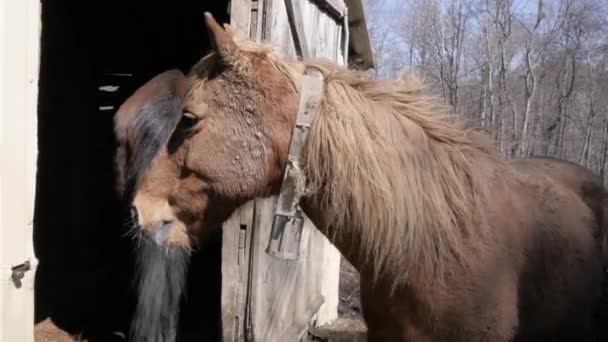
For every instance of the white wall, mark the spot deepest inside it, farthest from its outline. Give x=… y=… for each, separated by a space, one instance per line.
x=19 y=60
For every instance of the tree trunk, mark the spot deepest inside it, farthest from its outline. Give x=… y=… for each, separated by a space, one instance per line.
x=584 y=155
x=604 y=155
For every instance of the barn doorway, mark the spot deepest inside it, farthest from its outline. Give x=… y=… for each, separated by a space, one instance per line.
x=93 y=56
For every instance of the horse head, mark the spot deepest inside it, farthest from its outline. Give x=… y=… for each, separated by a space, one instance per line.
x=191 y=149
x=206 y=143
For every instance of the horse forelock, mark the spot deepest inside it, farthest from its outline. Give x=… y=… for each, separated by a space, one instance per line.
x=151 y=130
x=143 y=124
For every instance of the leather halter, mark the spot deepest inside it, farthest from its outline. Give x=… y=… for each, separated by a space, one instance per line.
x=288 y=221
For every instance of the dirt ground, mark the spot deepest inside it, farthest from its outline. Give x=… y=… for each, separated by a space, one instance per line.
x=350 y=305
x=349 y=326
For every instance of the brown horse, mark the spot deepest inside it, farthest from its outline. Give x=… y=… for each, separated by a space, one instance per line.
x=452 y=242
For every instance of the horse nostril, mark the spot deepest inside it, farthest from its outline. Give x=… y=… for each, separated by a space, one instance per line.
x=134 y=215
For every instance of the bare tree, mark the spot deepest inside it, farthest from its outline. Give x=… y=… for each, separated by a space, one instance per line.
x=604 y=149
x=536 y=76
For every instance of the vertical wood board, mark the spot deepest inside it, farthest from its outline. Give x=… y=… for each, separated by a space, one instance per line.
x=237 y=230
x=287 y=296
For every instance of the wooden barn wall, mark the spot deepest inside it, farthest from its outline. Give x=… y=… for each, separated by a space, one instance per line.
x=283 y=296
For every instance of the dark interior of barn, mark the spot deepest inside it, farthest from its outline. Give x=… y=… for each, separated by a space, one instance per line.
x=88 y=48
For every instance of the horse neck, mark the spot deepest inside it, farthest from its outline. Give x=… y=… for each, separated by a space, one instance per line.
x=350 y=243
x=349 y=246
x=391 y=179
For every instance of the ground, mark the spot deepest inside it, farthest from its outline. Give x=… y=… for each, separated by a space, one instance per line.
x=348 y=327
x=350 y=305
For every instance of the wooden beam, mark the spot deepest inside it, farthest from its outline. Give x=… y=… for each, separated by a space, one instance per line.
x=345 y=38
x=296 y=21
x=335 y=8
x=360 y=52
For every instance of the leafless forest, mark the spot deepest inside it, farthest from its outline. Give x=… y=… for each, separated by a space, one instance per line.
x=534 y=73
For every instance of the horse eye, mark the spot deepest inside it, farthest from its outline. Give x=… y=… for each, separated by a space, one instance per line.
x=188 y=120
x=190 y=116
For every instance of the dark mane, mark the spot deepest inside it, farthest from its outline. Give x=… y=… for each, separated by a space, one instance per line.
x=144 y=123
x=151 y=130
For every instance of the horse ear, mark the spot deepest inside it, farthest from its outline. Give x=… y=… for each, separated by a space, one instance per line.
x=144 y=122
x=222 y=41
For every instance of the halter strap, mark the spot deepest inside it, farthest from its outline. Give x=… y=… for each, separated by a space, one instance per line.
x=288 y=221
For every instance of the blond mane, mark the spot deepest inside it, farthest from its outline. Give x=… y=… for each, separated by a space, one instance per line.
x=394 y=167
x=391 y=165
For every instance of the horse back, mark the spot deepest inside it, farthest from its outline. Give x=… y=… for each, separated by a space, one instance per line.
x=581 y=181
x=566 y=177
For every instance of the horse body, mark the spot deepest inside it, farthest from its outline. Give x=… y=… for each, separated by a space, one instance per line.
x=452 y=242
x=538 y=278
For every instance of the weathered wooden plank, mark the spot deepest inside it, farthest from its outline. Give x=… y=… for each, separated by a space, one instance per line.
x=286 y=295
x=314 y=31
x=231 y=310
x=236 y=244
x=321 y=31
x=267 y=17
x=283 y=306
x=294 y=14
x=277 y=29
x=240 y=15
x=256 y=30
x=245 y=252
x=270 y=276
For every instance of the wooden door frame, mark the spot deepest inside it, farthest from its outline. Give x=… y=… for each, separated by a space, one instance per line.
x=20 y=27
